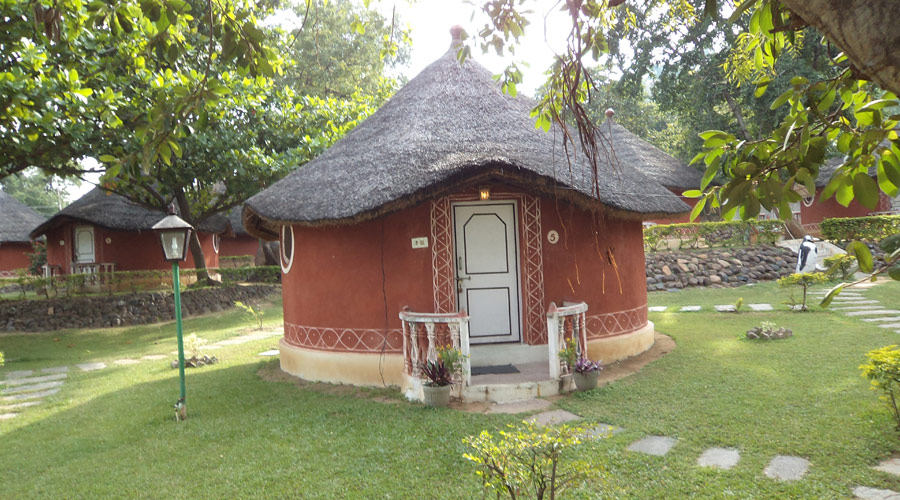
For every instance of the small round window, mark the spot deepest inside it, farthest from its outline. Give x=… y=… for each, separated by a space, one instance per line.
x=216 y=240
x=287 y=248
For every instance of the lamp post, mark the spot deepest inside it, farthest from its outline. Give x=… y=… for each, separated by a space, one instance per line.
x=175 y=235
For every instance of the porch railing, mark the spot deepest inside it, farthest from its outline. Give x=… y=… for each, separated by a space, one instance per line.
x=564 y=323
x=424 y=333
x=93 y=267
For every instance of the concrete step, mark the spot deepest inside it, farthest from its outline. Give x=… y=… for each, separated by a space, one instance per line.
x=508 y=393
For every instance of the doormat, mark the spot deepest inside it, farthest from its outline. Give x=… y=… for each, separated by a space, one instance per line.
x=494 y=370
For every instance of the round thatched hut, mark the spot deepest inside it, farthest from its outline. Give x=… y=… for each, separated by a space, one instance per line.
x=445 y=200
x=16 y=221
x=102 y=232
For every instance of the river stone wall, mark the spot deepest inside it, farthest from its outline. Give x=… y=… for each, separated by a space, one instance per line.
x=717 y=266
x=119 y=310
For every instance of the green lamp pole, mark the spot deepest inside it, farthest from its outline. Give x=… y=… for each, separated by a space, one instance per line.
x=175 y=236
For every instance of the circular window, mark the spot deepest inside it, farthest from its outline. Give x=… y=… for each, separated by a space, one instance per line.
x=808 y=201
x=287 y=248
x=216 y=240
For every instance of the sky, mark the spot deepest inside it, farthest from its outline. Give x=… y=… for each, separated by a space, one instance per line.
x=430 y=22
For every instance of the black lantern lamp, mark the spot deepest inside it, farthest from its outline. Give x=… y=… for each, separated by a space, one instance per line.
x=174 y=235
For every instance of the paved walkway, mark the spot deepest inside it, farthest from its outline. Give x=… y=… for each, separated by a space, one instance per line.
x=26 y=388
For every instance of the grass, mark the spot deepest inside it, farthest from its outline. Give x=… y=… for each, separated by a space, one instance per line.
x=111 y=433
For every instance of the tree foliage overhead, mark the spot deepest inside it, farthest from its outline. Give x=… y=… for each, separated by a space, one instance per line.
x=45 y=194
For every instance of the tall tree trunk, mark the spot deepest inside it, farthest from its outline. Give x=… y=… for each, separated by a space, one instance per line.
x=737 y=114
x=196 y=250
x=866 y=30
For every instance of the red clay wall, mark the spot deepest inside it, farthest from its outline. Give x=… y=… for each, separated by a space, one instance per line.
x=241 y=245
x=129 y=250
x=821 y=210
x=681 y=218
x=13 y=256
x=336 y=277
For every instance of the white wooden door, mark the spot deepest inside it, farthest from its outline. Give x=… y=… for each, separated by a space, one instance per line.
x=84 y=244
x=487 y=270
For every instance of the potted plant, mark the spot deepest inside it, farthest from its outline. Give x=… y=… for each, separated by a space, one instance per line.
x=439 y=375
x=567 y=355
x=586 y=374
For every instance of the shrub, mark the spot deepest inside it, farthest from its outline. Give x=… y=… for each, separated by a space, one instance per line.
x=569 y=354
x=803 y=281
x=37 y=258
x=715 y=234
x=871 y=228
x=840 y=266
x=883 y=370
x=258 y=274
x=530 y=461
x=253 y=313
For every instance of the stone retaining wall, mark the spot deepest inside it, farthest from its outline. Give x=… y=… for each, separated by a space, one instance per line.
x=119 y=310
x=717 y=266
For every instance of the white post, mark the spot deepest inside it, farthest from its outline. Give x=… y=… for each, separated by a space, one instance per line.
x=431 y=353
x=414 y=351
x=464 y=348
x=553 y=340
x=407 y=366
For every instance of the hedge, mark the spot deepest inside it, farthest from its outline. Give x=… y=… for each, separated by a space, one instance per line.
x=872 y=228
x=714 y=234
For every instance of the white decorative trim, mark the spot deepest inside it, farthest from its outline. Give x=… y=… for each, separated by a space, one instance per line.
x=216 y=240
x=344 y=339
x=286 y=268
x=616 y=323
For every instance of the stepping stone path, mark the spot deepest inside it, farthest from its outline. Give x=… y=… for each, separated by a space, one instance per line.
x=519 y=406
x=787 y=468
x=858 y=308
x=603 y=430
x=653 y=445
x=554 y=417
x=721 y=458
x=272 y=352
x=657 y=308
x=891 y=466
x=876 y=312
x=690 y=308
x=760 y=307
x=24 y=388
x=865 y=493
x=724 y=308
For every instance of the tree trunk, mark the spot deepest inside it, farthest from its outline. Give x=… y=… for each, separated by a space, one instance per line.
x=738 y=115
x=196 y=250
x=866 y=30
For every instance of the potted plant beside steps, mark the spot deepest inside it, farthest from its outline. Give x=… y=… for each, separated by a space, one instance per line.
x=586 y=374
x=439 y=375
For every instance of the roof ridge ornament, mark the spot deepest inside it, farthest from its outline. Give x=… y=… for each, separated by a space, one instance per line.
x=456 y=35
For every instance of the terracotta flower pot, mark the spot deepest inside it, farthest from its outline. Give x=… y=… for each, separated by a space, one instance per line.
x=587 y=380
x=437 y=396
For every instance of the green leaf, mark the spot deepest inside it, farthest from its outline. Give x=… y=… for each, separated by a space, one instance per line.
x=878 y=104
x=865 y=190
x=894 y=273
x=863 y=256
x=783 y=98
x=890 y=244
x=698 y=207
x=834 y=292
x=884 y=182
x=692 y=193
x=107 y=158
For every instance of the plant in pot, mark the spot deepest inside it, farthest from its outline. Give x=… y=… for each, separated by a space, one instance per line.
x=567 y=355
x=439 y=375
x=586 y=374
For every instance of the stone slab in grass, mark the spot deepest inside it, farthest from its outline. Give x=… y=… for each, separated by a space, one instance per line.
x=33 y=387
x=858 y=308
x=270 y=352
x=726 y=308
x=882 y=319
x=154 y=357
x=889 y=325
x=657 y=309
x=690 y=309
x=603 y=430
x=720 y=458
x=853 y=301
x=554 y=417
x=56 y=369
x=866 y=493
x=877 y=312
x=525 y=406
x=891 y=466
x=33 y=380
x=31 y=395
x=126 y=361
x=7 y=416
x=760 y=307
x=653 y=445
x=16 y=406
x=19 y=374
x=787 y=468
x=89 y=367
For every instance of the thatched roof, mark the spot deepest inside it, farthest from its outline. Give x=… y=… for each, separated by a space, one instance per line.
x=16 y=220
x=831 y=165
x=449 y=126
x=236 y=225
x=629 y=149
x=116 y=212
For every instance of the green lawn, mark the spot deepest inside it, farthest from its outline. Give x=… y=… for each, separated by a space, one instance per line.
x=110 y=433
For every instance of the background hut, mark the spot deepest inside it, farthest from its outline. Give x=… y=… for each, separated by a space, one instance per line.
x=103 y=232
x=16 y=221
x=237 y=242
x=448 y=199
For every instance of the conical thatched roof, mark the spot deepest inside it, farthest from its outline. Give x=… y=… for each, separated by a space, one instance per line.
x=629 y=149
x=235 y=223
x=450 y=125
x=16 y=220
x=116 y=212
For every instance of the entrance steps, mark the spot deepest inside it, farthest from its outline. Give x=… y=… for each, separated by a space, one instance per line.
x=531 y=381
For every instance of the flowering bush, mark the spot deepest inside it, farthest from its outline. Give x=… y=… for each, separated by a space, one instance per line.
x=584 y=365
x=883 y=369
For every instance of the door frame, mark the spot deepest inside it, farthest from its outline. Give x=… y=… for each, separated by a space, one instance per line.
x=93 y=232
x=517 y=252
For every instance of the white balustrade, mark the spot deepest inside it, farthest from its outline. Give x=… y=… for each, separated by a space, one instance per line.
x=455 y=334
x=565 y=322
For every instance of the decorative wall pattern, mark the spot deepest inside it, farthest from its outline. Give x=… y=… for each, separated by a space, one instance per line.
x=442 y=256
x=370 y=340
x=616 y=323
